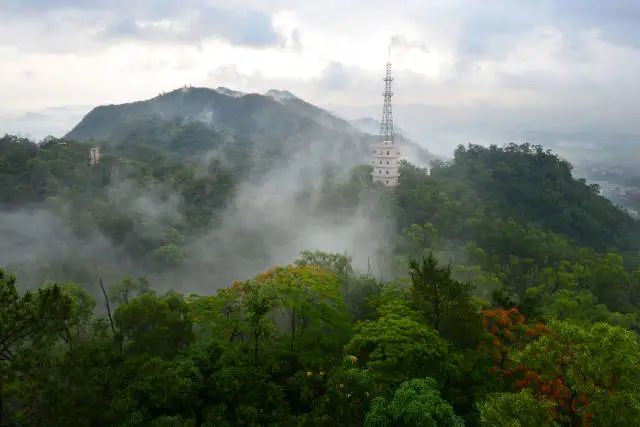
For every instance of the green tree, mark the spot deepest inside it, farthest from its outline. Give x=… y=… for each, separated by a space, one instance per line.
x=444 y=302
x=310 y=301
x=78 y=325
x=29 y=323
x=608 y=280
x=154 y=388
x=349 y=391
x=168 y=256
x=416 y=403
x=337 y=263
x=582 y=306
x=128 y=288
x=421 y=238
x=258 y=301
x=397 y=347
x=516 y=410
x=158 y=325
x=586 y=370
x=356 y=290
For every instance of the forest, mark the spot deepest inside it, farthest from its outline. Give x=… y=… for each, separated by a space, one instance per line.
x=508 y=295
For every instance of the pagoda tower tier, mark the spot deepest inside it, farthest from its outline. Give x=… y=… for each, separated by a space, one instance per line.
x=386 y=163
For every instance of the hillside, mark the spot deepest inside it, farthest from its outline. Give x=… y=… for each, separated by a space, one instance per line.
x=494 y=259
x=251 y=128
x=534 y=185
x=291 y=251
x=492 y=281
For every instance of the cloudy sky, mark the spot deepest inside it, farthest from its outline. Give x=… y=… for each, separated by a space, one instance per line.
x=482 y=71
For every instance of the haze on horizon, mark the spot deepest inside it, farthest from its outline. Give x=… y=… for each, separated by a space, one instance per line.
x=553 y=72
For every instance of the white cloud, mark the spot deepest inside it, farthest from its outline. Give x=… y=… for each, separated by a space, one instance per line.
x=459 y=56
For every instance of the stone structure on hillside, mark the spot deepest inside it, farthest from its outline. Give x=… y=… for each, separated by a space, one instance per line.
x=94 y=156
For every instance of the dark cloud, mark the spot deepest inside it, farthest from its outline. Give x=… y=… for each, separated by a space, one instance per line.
x=492 y=28
x=163 y=20
x=616 y=20
x=245 y=27
x=33 y=6
x=250 y=27
x=150 y=8
x=487 y=27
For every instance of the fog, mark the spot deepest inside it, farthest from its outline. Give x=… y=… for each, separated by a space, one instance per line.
x=40 y=244
x=273 y=218
x=582 y=134
x=269 y=220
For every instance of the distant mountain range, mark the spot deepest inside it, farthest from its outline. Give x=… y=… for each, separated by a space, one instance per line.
x=372 y=126
x=261 y=127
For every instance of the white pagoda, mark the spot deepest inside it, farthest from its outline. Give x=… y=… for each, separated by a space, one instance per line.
x=386 y=154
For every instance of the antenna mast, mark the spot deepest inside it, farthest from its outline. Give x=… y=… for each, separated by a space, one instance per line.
x=386 y=125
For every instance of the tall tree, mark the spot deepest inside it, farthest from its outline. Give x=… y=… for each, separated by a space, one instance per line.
x=444 y=302
x=398 y=347
x=158 y=325
x=416 y=403
x=28 y=321
x=590 y=373
x=521 y=409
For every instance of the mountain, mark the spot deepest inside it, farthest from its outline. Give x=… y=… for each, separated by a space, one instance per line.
x=366 y=124
x=261 y=128
x=372 y=126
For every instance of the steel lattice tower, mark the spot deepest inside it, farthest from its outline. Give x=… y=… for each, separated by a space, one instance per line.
x=386 y=154
x=386 y=126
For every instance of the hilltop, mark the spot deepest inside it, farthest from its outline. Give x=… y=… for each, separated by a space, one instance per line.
x=257 y=128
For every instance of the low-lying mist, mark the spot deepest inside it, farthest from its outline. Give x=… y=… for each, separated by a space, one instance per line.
x=268 y=221
x=274 y=217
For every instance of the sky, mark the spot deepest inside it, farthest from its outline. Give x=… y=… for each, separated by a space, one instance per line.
x=559 y=72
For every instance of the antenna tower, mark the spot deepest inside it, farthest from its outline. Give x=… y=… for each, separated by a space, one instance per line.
x=386 y=154
x=386 y=125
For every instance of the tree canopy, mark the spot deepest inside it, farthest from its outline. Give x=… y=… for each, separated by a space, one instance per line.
x=509 y=294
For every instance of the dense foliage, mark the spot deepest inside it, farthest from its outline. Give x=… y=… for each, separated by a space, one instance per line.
x=513 y=299
x=146 y=200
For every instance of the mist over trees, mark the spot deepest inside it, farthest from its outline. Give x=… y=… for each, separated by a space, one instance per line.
x=229 y=262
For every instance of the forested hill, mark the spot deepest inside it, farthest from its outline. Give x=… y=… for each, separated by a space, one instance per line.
x=249 y=126
x=491 y=290
x=535 y=186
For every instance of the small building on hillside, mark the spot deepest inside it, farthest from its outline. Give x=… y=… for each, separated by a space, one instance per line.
x=94 y=156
